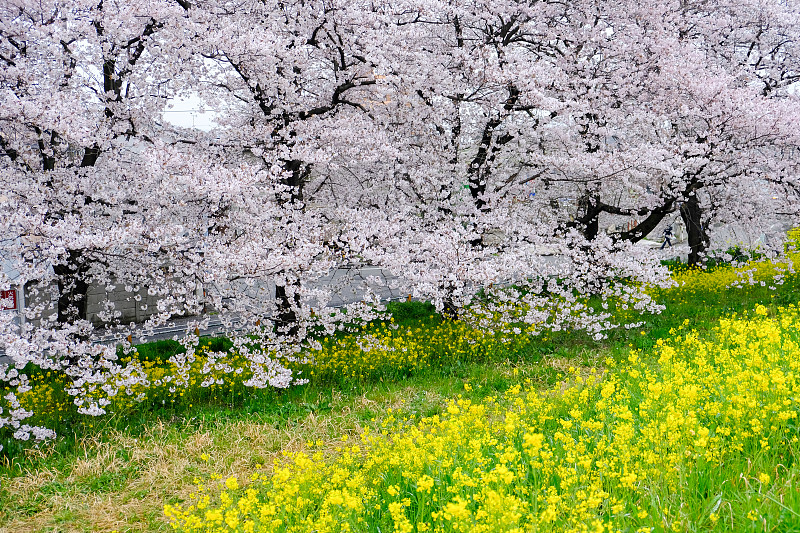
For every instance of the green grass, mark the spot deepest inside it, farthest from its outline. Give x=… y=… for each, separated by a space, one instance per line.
x=677 y=419
x=134 y=462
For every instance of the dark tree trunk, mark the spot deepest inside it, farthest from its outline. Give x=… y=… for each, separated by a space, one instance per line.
x=650 y=223
x=286 y=319
x=298 y=173
x=476 y=171
x=73 y=288
x=592 y=228
x=479 y=171
x=588 y=220
x=450 y=311
x=286 y=322
x=691 y=213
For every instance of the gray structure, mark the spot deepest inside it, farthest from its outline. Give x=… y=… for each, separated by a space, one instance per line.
x=133 y=306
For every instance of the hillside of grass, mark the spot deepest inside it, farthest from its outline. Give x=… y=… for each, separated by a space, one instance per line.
x=666 y=439
x=118 y=471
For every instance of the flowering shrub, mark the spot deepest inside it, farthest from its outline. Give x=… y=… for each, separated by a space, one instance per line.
x=701 y=434
x=181 y=379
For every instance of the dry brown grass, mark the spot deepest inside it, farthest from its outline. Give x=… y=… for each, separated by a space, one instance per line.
x=122 y=483
x=153 y=469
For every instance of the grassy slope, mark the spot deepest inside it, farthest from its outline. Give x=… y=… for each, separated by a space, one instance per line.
x=119 y=473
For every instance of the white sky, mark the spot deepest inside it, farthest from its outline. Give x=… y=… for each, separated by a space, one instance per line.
x=189 y=112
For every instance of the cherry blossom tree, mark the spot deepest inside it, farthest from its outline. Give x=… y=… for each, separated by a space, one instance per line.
x=296 y=78
x=466 y=105
x=97 y=193
x=678 y=114
x=75 y=90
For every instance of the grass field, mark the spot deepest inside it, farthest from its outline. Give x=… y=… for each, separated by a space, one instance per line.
x=119 y=471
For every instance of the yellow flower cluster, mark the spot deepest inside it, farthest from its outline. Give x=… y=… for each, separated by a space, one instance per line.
x=661 y=443
x=382 y=350
x=792 y=247
x=760 y=272
x=713 y=281
x=398 y=350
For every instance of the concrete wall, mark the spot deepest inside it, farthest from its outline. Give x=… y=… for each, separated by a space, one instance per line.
x=134 y=306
